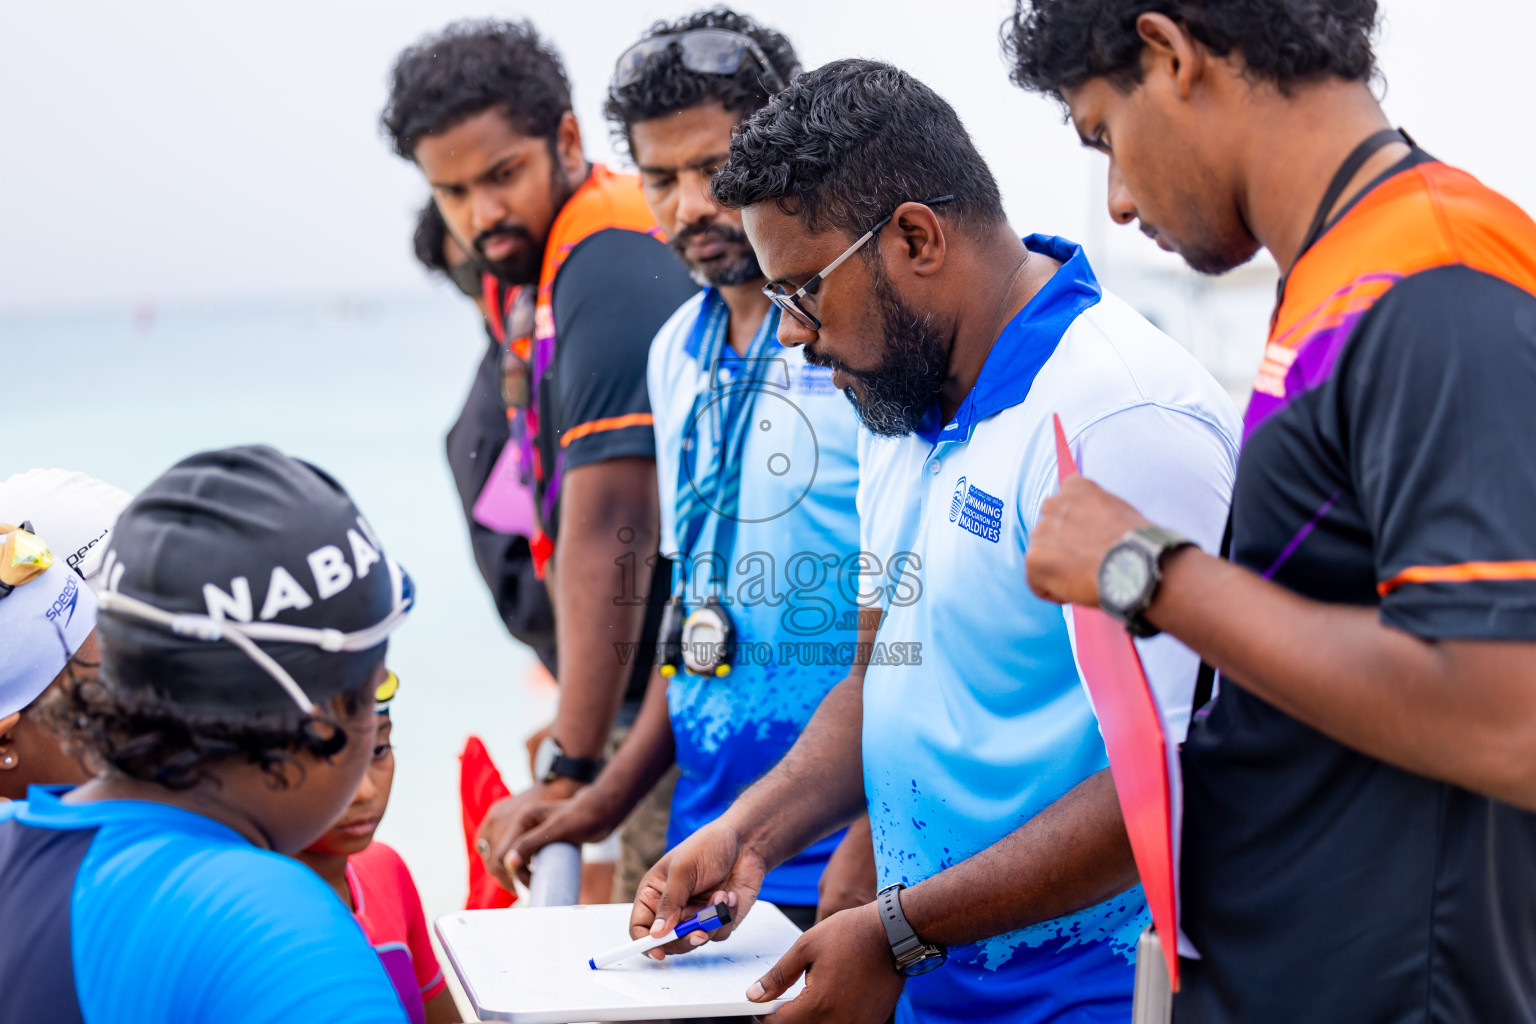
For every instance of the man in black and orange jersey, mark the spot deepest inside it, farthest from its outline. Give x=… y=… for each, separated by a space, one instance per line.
x=579 y=282
x=1359 y=836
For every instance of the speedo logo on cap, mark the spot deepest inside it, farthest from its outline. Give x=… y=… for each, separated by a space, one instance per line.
x=327 y=569
x=76 y=559
x=65 y=603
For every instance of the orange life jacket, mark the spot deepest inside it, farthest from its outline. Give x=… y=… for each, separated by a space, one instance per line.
x=605 y=201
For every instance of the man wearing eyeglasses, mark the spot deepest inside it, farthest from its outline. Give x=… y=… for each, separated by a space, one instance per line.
x=1008 y=887
x=579 y=284
x=757 y=463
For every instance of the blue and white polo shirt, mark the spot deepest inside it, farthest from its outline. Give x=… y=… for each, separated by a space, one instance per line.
x=995 y=725
x=790 y=578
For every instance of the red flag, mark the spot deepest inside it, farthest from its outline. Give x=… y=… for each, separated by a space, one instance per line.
x=480 y=785
x=1138 y=748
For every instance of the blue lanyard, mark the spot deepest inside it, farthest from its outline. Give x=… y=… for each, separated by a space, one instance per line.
x=727 y=410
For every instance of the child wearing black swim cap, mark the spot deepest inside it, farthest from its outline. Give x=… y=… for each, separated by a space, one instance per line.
x=243 y=626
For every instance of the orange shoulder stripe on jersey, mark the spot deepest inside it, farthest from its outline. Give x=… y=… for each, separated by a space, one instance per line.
x=1355 y=297
x=1428 y=216
x=605 y=200
x=634 y=419
x=1467 y=572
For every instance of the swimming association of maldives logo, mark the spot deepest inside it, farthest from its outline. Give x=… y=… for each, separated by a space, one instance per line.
x=958 y=501
x=976 y=511
x=812 y=380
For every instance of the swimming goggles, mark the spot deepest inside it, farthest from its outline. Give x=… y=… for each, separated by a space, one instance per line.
x=386 y=691
x=245 y=635
x=708 y=51
x=23 y=557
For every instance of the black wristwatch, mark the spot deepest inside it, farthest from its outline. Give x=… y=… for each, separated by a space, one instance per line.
x=1130 y=574
x=551 y=763
x=913 y=955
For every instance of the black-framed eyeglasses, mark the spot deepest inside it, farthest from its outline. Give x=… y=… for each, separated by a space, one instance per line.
x=789 y=302
x=708 y=51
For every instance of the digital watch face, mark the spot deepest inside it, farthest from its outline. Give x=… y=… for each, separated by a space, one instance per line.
x=1123 y=578
x=707 y=635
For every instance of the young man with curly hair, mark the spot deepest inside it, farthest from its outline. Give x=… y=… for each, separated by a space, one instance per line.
x=676 y=97
x=578 y=284
x=1359 y=830
x=1009 y=890
x=243 y=627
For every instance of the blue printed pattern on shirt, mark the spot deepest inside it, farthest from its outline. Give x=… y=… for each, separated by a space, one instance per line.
x=787 y=581
x=993 y=726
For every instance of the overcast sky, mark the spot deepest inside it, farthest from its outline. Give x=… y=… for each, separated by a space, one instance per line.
x=166 y=150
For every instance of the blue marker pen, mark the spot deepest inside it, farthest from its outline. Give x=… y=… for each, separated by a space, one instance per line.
x=707 y=920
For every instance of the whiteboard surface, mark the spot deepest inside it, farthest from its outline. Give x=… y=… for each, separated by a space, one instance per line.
x=529 y=966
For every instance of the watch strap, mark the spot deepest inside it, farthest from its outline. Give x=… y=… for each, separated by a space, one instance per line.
x=563 y=766
x=911 y=954
x=1160 y=540
x=581 y=769
x=898 y=932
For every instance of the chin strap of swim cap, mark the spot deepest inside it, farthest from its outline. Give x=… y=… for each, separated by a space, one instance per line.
x=245 y=635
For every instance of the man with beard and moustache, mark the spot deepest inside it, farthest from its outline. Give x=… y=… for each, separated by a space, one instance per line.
x=777 y=492
x=1359 y=830
x=997 y=829
x=578 y=283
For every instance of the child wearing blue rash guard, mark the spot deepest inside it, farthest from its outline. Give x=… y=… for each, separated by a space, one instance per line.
x=243 y=628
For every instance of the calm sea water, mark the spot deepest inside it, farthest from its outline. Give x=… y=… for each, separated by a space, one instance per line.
x=364 y=389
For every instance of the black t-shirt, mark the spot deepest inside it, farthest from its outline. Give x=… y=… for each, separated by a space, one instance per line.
x=505 y=562
x=611 y=296
x=614 y=292
x=1320 y=884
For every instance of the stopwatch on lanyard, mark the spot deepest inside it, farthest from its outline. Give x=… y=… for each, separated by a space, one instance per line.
x=703 y=641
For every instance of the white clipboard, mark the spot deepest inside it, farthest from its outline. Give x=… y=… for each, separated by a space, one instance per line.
x=529 y=966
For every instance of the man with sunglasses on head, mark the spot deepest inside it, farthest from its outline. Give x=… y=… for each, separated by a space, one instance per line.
x=579 y=284
x=1009 y=891
x=757 y=462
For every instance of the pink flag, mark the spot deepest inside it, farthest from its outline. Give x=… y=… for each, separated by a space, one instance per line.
x=1139 y=752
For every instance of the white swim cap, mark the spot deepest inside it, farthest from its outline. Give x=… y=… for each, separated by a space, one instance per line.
x=72 y=513
x=43 y=622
